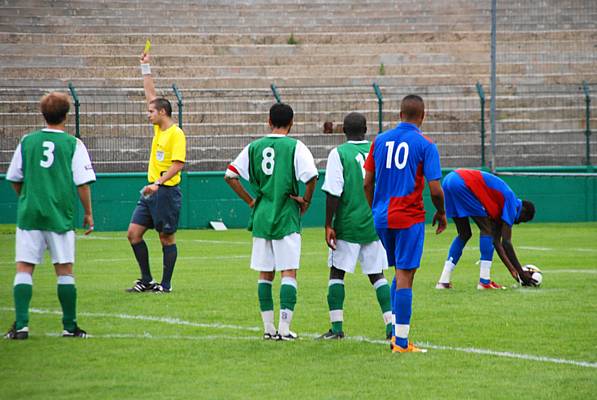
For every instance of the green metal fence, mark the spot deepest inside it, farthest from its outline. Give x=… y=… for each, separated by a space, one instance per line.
x=535 y=126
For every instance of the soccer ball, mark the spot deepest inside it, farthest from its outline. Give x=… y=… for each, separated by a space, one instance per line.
x=535 y=273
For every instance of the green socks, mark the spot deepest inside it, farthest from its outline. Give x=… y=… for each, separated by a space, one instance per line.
x=382 y=290
x=264 y=292
x=266 y=305
x=336 y=303
x=67 y=294
x=22 y=292
x=288 y=290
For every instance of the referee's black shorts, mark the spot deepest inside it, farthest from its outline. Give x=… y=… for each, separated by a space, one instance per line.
x=160 y=210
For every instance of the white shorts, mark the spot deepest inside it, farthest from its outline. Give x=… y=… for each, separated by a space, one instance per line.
x=372 y=257
x=276 y=255
x=30 y=246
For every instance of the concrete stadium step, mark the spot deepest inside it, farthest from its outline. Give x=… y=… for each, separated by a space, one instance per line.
x=536 y=49
x=280 y=38
x=308 y=81
x=249 y=52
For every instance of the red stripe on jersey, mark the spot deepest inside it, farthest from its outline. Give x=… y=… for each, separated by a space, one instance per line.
x=491 y=199
x=427 y=138
x=405 y=211
x=370 y=162
x=233 y=169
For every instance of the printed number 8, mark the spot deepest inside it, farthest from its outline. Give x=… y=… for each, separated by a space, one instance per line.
x=267 y=165
x=48 y=153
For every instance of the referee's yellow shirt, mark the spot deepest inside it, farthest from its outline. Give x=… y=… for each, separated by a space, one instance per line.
x=166 y=146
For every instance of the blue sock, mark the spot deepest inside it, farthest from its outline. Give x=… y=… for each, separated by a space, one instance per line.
x=403 y=310
x=486 y=247
x=456 y=250
x=392 y=300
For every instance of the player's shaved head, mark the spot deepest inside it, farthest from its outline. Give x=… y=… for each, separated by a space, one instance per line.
x=412 y=109
x=355 y=126
x=54 y=107
x=281 y=115
x=527 y=213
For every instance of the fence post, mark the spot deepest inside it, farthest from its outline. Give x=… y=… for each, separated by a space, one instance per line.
x=73 y=93
x=481 y=94
x=179 y=102
x=377 y=91
x=275 y=92
x=585 y=88
x=493 y=83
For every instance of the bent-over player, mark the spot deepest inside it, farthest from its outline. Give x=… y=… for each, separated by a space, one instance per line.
x=489 y=201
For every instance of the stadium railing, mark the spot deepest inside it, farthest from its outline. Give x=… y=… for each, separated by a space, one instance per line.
x=536 y=126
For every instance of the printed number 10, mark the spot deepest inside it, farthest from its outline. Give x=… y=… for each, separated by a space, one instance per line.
x=391 y=156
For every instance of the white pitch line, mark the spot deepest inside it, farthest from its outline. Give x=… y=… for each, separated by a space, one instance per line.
x=223 y=257
x=509 y=354
x=570 y=271
x=123 y=239
x=166 y=320
x=176 y=321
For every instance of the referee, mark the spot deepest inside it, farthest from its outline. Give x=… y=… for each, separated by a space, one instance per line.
x=159 y=205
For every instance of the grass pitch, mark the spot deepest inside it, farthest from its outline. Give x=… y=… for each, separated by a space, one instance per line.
x=203 y=340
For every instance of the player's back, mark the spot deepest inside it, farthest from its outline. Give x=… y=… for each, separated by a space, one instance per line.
x=494 y=194
x=403 y=157
x=48 y=193
x=272 y=176
x=354 y=221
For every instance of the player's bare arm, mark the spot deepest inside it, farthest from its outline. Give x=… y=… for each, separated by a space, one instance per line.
x=17 y=186
x=502 y=241
x=174 y=169
x=437 y=197
x=239 y=189
x=331 y=206
x=523 y=276
x=148 y=84
x=369 y=186
x=304 y=201
x=85 y=197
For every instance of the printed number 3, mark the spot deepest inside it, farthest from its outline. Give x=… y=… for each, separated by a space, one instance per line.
x=48 y=153
x=267 y=165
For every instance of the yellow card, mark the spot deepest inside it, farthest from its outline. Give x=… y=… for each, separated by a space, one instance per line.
x=147 y=47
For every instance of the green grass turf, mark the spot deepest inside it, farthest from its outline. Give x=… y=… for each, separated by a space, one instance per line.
x=166 y=358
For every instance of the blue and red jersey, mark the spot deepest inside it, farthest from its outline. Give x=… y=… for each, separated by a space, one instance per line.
x=401 y=159
x=472 y=193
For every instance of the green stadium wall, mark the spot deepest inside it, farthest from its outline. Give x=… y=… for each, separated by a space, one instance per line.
x=206 y=197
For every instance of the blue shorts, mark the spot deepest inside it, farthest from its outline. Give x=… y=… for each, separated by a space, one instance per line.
x=460 y=201
x=160 y=210
x=404 y=247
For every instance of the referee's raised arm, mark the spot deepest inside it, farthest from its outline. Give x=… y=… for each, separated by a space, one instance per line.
x=148 y=84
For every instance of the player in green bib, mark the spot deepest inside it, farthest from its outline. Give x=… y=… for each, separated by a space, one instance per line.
x=48 y=169
x=273 y=165
x=349 y=230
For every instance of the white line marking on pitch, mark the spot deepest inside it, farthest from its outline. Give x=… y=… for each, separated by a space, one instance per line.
x=176 y=321
x=570 y=271
x=123 y=238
